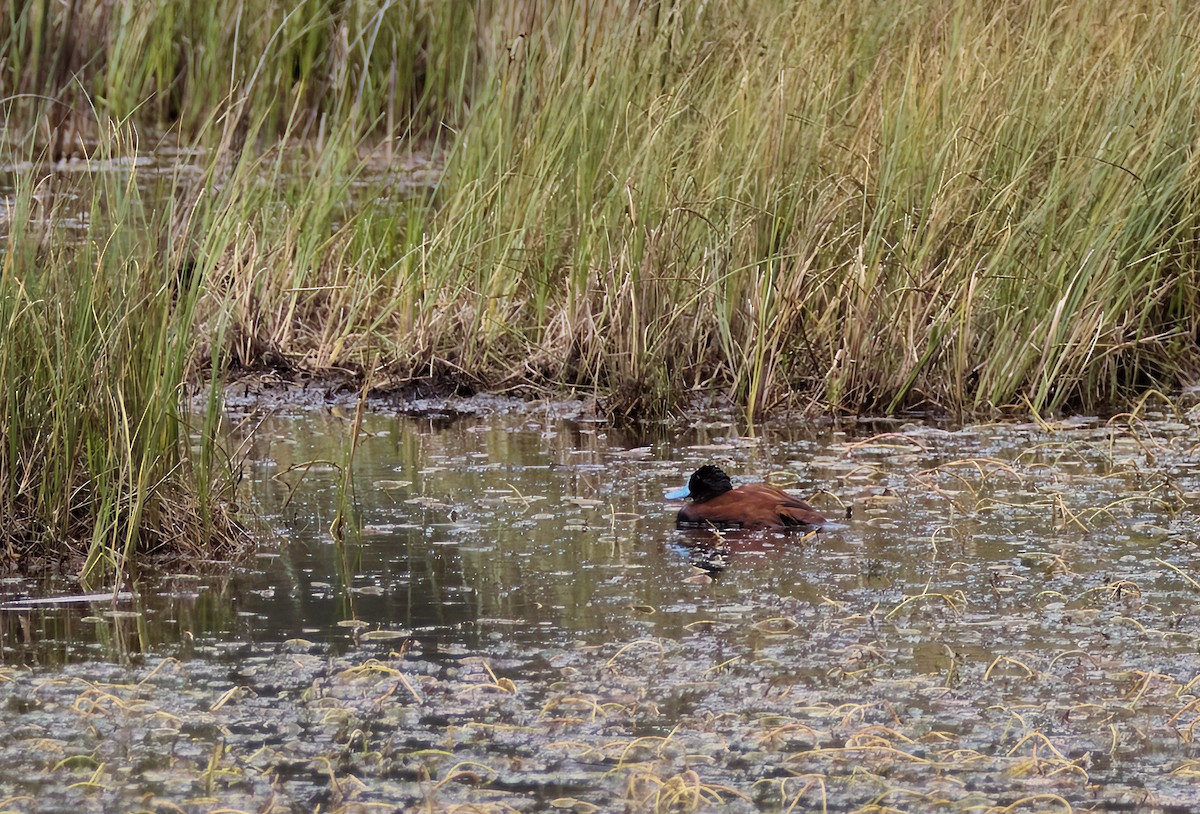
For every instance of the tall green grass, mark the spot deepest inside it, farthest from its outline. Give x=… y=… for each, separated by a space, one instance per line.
x=99 y=462
x=954 y=206
x=293 y=68
x=846 y=206
x=947 y=205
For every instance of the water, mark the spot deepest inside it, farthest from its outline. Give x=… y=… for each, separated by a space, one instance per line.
x=512 y=620
x=515 y=526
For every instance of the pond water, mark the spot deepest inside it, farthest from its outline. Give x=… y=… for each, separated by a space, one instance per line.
x=511 y=621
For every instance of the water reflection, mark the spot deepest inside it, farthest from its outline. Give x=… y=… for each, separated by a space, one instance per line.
x=540 y=529
x=1007 y=620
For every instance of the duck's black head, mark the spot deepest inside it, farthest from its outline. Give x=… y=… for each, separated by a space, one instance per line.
x=707 y=482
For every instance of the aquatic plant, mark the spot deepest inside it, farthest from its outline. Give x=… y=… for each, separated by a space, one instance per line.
x=802 y=206
x=98 y=459
x=292 y=67
x=853 y=208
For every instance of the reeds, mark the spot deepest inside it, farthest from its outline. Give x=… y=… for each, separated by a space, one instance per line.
x=861 y=211
x=949 y=207
x=98 y=462
x=952 y=206
x=811 y=205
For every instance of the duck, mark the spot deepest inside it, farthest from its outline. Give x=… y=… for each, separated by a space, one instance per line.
x=754 y=506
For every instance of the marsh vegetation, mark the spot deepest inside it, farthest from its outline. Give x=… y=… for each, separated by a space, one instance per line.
x=655 y=209
x=953 y=206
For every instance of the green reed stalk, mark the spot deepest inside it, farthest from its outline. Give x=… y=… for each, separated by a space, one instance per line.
x=98 y=319
x=784 y=205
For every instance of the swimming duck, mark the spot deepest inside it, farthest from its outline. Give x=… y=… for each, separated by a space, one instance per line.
x=754 y=506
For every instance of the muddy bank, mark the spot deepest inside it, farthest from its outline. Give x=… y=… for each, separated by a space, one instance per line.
x=293 y=391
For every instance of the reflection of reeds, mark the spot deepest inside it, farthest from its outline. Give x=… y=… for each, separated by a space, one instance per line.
x=346 y=486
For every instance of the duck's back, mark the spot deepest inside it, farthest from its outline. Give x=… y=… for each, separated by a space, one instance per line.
x=753 y=506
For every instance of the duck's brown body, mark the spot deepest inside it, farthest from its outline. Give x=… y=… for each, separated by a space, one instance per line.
x=755 y=506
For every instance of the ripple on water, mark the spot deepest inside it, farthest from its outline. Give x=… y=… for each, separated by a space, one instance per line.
x=513 y=621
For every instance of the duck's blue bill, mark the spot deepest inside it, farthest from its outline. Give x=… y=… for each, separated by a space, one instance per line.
x=678 y=494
